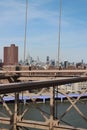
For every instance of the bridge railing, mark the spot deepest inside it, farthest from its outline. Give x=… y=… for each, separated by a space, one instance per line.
x=24 y=113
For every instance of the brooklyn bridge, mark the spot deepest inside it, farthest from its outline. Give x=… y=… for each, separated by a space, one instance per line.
x=22 y=88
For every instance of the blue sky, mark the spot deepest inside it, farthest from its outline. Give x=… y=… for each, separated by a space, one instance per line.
x=42 y=28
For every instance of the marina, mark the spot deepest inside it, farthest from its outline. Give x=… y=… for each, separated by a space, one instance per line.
x=43 y=98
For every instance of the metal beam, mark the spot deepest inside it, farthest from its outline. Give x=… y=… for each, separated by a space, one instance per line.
x=35 y=124
x=45 y=71
x=23 y=86
x=44 y=126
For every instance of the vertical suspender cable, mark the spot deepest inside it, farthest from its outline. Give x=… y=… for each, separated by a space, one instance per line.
x=60 y=11
x=25 y=30
x=25 y=39
x=56 y=94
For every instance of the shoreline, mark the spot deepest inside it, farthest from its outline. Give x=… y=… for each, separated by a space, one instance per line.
x=43 y=98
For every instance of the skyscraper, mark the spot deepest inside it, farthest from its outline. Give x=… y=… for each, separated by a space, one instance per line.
x=11 y=55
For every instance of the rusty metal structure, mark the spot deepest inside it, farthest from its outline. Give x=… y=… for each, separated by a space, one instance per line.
x=15 y=119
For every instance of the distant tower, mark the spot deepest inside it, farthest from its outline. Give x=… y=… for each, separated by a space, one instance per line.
x=66 y=64
x=82 y=61
x=47 y=60
x=11 y=55
x=53 y=62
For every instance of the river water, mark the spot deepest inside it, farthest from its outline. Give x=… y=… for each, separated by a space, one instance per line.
x=71 y=118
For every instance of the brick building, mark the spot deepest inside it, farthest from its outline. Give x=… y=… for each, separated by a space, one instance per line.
x=11 y=55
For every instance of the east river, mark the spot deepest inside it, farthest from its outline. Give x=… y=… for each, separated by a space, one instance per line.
x=71 y=118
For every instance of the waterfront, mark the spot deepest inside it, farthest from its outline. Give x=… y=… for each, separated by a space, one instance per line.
x=72 y=117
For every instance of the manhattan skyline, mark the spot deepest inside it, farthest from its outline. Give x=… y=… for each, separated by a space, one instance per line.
x=42 y=28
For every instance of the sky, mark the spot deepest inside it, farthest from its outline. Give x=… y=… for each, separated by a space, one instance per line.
x=43 y=28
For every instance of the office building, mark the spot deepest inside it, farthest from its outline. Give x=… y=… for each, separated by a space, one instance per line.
x=11 y=55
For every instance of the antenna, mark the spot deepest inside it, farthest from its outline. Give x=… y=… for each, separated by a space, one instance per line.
x=25 y=30
x=59 y=32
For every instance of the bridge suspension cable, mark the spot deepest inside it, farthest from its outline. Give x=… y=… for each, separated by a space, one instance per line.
x=25 y=29
x=60 y=12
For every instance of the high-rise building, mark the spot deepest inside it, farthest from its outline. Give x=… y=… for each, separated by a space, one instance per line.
x=47 y=60
x=66 y=64
x=11 y=55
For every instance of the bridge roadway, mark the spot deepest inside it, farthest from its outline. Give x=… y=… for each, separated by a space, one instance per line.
x=16 y=121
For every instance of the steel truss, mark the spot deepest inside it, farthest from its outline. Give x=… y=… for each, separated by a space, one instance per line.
x=16 y=120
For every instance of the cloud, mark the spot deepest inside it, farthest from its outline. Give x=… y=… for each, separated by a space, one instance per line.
x=11 y=12
x=14 y=12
